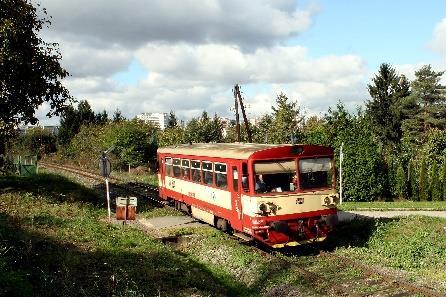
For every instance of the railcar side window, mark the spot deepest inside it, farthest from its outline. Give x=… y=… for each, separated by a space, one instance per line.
x=196 y=171
x=315 y=173
x=235 y=178
x=176 y=168
x=221 y=178
x=208 y=174
x=185 y=168
x=245 y=178
x=168 y=166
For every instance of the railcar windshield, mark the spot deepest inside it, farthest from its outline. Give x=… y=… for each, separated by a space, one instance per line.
x=274 y=176
x=315 y=173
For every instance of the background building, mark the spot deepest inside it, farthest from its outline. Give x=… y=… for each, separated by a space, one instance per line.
x=159 y=119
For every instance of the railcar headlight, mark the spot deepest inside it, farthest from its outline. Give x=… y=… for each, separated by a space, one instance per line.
x=263 y=207
x=327 y=201
x=330 y=200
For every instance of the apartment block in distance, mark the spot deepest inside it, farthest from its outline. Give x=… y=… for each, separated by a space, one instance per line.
x=159 y=119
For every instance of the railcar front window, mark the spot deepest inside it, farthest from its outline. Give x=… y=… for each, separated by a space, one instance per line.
x=274 y=176
x=315 y=173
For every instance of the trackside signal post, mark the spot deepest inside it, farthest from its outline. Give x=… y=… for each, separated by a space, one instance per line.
x=105 y=169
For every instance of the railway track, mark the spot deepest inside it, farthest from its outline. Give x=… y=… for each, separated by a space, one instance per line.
x=372 y=281
x=145 y=191
x=378 y=282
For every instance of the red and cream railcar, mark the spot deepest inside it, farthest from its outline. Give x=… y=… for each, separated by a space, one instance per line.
x=278 y=194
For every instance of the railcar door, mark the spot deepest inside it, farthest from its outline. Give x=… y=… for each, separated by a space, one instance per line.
x=237 y=213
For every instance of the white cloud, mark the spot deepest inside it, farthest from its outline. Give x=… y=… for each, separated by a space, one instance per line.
x=134 y=22
x=192 y=78
x=438 y=42
x=194 y=52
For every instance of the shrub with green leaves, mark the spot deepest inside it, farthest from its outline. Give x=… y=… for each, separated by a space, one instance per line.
x=401 y=182
x=413 y=181
x=423 y=181
x=434 y=183
x=36 y=141
x=443 y=179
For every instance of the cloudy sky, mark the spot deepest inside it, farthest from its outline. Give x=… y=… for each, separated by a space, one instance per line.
x=186 y=55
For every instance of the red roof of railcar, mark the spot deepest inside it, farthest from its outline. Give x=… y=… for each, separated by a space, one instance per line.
x=244 y=151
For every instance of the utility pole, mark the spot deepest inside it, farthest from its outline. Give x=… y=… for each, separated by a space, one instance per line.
x=237 y=118
x=341 y=158
x=245 y=119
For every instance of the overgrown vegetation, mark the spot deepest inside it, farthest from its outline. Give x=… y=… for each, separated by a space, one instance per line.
x=416 y=245
x=55 y=241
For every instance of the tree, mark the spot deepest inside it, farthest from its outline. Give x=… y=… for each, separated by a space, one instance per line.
x=286 y=120
x=101 y=118
x=35 y=141
x=431 y=97
x=117 y=116
x=72 y=119
x=443 y=179
x=170 y=136
x=363 y=179
x=203 y=129
x=172 y=120
x=338 y=122
x=30 y=71
x=215 y=129
x=423 y=181
x=315 y=131
x=69 y=125
x=134 y=142
x=434 y=183
x=191 y=133
x=386 y=90
x=413 y=181
x=262 y=127
x=401 y=182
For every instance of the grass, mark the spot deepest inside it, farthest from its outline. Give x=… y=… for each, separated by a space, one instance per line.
x=415 y=246
x=57 y=244
x=388 y=205
x=144 y=178
x=54 y=241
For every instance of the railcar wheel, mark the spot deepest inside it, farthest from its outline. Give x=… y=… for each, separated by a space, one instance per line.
x=222 y=224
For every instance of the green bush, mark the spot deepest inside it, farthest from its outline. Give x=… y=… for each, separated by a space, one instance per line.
x=423 y=181
x=134 y=144
x=443 y=179
x=35 y=141
x=362 y=168
x=434 y=183
x=401 y=182
x=413 y=181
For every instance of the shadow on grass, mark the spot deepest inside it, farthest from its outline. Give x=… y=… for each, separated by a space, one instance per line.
x=56 y=187
x=61 y=189
x=354 y=233
x=39 y=265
